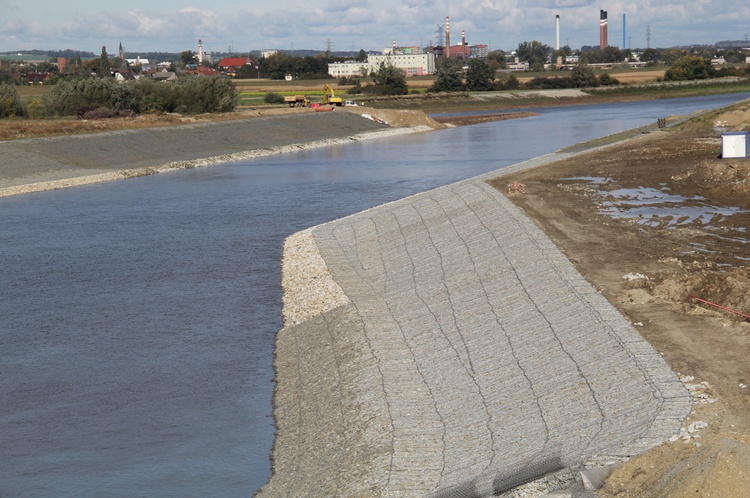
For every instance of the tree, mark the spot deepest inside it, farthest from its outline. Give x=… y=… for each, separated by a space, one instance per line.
x=10 y=102
x=535 y=53
x=650 y=55
x=496 y=59
x=362 y=56
x=583 y=76
x=480 y=77
x=448 y=76
x=104 y=66
x=389 y=80
x=689 y=67
x=187 y=57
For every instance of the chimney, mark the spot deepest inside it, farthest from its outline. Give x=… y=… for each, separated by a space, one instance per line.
x=447 y=36
x=393 y=50
x=463 y=37
x=557 y=32
x=603 y=42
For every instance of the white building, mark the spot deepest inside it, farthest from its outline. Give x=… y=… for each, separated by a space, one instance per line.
x=410 y=64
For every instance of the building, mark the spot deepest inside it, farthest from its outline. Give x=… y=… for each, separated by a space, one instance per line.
x=603 y=37
x=411 y=64
x=231 y=64
x=348 y=69
x=479 y=51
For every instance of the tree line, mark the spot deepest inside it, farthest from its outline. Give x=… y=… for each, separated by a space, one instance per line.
x=106 y=97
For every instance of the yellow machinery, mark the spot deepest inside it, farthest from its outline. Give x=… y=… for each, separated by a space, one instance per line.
x=330 y=98
x=296 y=100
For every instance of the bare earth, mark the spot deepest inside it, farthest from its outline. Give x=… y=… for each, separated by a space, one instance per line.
x=689 y=238
x=651 y=222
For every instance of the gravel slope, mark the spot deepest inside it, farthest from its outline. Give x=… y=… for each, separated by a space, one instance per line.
x=48 y=163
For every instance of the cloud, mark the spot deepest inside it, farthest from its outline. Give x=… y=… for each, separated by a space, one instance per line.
x=367 y=24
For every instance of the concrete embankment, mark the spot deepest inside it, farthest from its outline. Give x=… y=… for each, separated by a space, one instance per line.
x=443 y=345
x=39 y=164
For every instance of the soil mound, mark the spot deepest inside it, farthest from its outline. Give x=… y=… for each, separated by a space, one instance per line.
x=716 y=467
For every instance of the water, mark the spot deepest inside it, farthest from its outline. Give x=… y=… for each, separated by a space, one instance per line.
x=138 y=317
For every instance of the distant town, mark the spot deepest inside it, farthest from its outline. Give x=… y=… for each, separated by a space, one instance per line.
x=39 y=67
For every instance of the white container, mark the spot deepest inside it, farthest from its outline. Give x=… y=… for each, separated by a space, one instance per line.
x=734 y=144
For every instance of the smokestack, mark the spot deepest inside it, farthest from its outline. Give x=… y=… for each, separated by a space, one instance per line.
x=557 y=32
x=624 y=45
x=603 y=42
x=447 y=36
x=393 y=50
x=463 y=37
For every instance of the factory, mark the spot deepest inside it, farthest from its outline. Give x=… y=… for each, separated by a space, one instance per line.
x=414 y=61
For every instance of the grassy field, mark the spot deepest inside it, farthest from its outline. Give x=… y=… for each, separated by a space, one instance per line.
x=252 y=92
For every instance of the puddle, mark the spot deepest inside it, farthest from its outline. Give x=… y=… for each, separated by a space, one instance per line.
x=658 y=208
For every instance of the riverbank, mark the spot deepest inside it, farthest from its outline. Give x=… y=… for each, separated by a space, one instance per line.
x=423 y=355
x=39 y=164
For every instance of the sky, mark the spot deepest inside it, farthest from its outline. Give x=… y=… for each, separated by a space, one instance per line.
x=343 y=25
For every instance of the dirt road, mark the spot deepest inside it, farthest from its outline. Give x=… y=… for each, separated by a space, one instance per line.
x=652 y=222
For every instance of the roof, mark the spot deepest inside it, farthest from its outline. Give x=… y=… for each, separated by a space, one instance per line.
x=235 y=61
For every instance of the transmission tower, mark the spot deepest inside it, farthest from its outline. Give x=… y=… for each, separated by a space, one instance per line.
x=329 y=47
x=439 y=34
x=648 y=36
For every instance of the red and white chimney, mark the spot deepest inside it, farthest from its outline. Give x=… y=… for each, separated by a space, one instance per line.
x=447 y=36
x=603 y=38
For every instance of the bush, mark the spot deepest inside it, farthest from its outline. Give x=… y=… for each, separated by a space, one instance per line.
x=509 y=83
x=607 y=80
x=273 y=98
x=199 y=94
x=189 y=95
x=550 y=83
x=689 y=67
x=583 y=76
x=70 y=97
x=10 y=102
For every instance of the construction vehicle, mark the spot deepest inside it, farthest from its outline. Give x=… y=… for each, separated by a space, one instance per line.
x=330 y=98
x=296 y=100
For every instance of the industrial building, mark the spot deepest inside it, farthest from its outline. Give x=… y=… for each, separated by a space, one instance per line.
x=414 y=61
x=413 y=64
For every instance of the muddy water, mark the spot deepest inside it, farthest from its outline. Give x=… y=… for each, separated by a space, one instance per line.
x=138 y=317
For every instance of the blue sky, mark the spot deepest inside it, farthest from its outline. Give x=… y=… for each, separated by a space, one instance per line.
x=176 y=25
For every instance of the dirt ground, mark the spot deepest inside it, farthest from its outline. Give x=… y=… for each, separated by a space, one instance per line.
x=654 y=222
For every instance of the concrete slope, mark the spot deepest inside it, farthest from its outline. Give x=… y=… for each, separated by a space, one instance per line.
x=472 y=356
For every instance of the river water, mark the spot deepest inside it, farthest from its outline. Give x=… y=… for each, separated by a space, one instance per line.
x=137 y=318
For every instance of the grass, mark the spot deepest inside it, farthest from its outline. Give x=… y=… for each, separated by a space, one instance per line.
x=252 y=93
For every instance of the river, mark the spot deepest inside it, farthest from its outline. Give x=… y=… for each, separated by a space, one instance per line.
x=138 y=317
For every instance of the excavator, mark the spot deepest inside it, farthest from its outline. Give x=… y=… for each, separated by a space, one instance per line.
x=330 y=98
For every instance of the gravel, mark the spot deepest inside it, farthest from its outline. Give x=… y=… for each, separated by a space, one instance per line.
x=454 y=350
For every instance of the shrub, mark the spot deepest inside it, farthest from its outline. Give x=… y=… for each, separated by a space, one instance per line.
x=71 y=96
x=198 y=94
x=273 y=98
x=689 y=67
x=189 y=95
x=10 y=102
x=607 y=80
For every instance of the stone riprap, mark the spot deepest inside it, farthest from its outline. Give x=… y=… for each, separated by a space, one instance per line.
x=38 y=164
x=469 y=357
